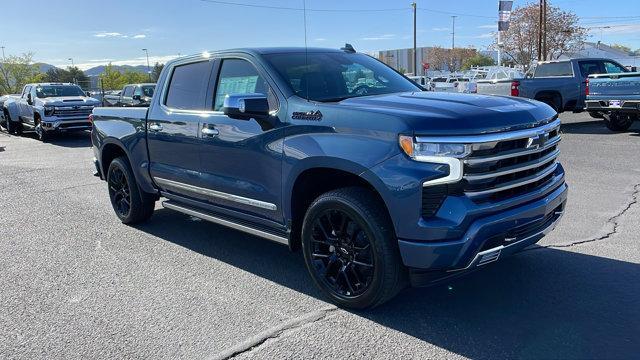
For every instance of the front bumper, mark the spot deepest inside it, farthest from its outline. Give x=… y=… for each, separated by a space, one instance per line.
x=66 y=124
x=489 y=238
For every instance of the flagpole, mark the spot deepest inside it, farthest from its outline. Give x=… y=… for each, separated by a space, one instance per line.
x=499 y=58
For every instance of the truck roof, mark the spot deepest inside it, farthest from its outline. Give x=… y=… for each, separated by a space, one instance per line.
x=49 y=84
x=262 y=51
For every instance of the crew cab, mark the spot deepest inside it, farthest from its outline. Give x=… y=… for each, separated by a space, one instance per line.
x=138 y=95
x=616 y=98
x=379 y=183
x=561 y=84
x=47 y=108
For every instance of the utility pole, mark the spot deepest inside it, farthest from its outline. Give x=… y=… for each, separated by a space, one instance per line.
x=544 y=30
x=540 y=31
x=415 y=54
x=3 y=58
x=148 y=67
x=453 y=32
x=72 y=64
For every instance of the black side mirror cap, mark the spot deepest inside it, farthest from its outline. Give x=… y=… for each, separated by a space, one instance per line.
x=137 y=97
x=246 y=106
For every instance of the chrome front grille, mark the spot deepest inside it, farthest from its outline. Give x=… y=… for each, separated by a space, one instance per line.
x=73 y=111
x=512 y=163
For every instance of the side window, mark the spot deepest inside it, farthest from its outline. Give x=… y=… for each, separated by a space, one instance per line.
x=554 y=69
x=128 y=91
x=187 y=86
x=240 y=77
x=137 y=91
x=25 y=91
x=590 y=67
x=613 y=68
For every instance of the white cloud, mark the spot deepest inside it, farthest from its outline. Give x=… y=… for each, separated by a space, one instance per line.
x=380 y=37
x=140 y=36
x=320 y=39
x=108 y=34
x=134 y=62
x=484 y=36
x=441 y=29
x=488 y=26
x=616 y=29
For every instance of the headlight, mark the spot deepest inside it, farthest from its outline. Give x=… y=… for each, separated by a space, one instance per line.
x=48 y=110
x=437 y=153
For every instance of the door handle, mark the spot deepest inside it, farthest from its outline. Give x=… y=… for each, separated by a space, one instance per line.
x=207 y=131
x=155 y=127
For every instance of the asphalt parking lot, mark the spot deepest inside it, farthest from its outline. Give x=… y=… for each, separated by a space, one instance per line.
x=76 y=283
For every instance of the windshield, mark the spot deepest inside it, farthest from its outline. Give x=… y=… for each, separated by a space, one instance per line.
x=328 y=77
x=58 y=90
x=148 y=90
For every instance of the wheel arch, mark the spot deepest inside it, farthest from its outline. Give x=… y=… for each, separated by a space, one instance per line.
x=550 y=94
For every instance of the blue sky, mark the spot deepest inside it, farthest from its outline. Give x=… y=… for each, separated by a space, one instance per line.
x=96 y=32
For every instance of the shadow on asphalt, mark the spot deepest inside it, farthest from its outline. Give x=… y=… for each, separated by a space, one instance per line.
x=595 y=127
x=544 y=303
x=74 y=139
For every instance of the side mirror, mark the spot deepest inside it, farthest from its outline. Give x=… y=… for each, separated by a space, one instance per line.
x=88 y=93
x=137 y=97
x=246 y=106
x=29 y=99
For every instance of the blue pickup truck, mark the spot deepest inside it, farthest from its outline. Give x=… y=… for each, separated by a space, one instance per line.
x=380 y=184
x=615 y=98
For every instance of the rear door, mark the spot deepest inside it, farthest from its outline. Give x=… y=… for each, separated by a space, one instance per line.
x=126 y=98
x=240 y=159
x=173 y=128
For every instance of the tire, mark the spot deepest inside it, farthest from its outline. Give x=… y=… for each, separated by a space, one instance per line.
x=10 y=125
x=618 y=122
x=130 y=204
x=357 y=264
x=551 y=101
x=596 y=115
x=42 y=134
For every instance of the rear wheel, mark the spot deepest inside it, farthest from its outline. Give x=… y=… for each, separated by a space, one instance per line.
x=554 y=102
x=9 y=125
x=595 y=114
x=350 y=249
x=130 y=204
x=618 y=122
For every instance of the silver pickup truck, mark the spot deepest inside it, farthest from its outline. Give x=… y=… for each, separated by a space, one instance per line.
x=614 y=97
x=47 y=108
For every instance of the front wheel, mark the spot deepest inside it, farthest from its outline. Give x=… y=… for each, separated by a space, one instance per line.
x=350 y=249
x=618 y=122
x=130 y=204
x=43 y=135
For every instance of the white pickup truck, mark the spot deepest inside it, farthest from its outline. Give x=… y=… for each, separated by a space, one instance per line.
x=47 y=108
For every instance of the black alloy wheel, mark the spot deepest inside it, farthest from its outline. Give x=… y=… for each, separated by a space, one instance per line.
x=342 y=253
x=119 y=192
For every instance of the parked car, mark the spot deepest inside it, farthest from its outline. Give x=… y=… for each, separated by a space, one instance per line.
x=47 y=108
x=3 y=111
x=560 y=84
x=614 y=97
x=111 y=97
x=379 y=184
x=132 y=95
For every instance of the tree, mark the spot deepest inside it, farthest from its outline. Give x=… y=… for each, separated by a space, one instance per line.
x=477 y=60
x=112 y=78
x=623 y=48
x=449 y=59
x=132 y=77
x=155 y=72
x=78 y=76
x=564 y=35
x=15 y=72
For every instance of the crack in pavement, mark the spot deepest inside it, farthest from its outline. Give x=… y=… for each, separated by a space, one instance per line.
x=612 y=223
x=273 y=333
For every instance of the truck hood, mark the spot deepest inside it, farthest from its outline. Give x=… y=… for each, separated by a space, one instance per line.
x=437 y=113
x=69 y=101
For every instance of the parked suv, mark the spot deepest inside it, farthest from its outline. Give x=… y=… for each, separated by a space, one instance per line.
x=131 y=95
x=379 y=183
x=47 y=108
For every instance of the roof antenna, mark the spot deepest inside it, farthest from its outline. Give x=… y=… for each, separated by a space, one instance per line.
x=348 y=48
x=306 y=51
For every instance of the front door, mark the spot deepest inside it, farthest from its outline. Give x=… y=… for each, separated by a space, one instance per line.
x=241 y=160
x=173 y=128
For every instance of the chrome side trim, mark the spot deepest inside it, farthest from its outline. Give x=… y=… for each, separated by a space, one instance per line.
x=485 y=138
x=516 y=183
x=517 y=168
x=499 y=249
x=227 y=223
x=479 y=160
x=214 y=194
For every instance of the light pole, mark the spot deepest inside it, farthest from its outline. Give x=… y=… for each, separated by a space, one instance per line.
x=453 y=32
x=146 y=51
x=72 y=64
x=415 y=54
x=3 y=58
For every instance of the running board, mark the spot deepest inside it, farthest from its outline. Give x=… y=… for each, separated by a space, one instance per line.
x=227 y=223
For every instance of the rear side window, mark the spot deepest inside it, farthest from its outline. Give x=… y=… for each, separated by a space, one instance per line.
x=590 y=67
x=613 y=68
x=128 y=91
x=554 y=69
x=187 y=86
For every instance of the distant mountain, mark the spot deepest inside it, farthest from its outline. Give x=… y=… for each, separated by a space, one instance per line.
x=96 y=71
x=43 y=67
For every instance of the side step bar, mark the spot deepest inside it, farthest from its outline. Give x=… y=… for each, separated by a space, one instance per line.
x=220 y=221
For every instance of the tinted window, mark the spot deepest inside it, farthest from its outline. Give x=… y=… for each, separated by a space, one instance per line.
x=613 y=68
x=187 y=86
x=239 y=77
x=58 y=90
x=148 y=90
x=128 y=91
x=554 y=69
x=337 y=76
x=590 y=67
x=25 y=91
